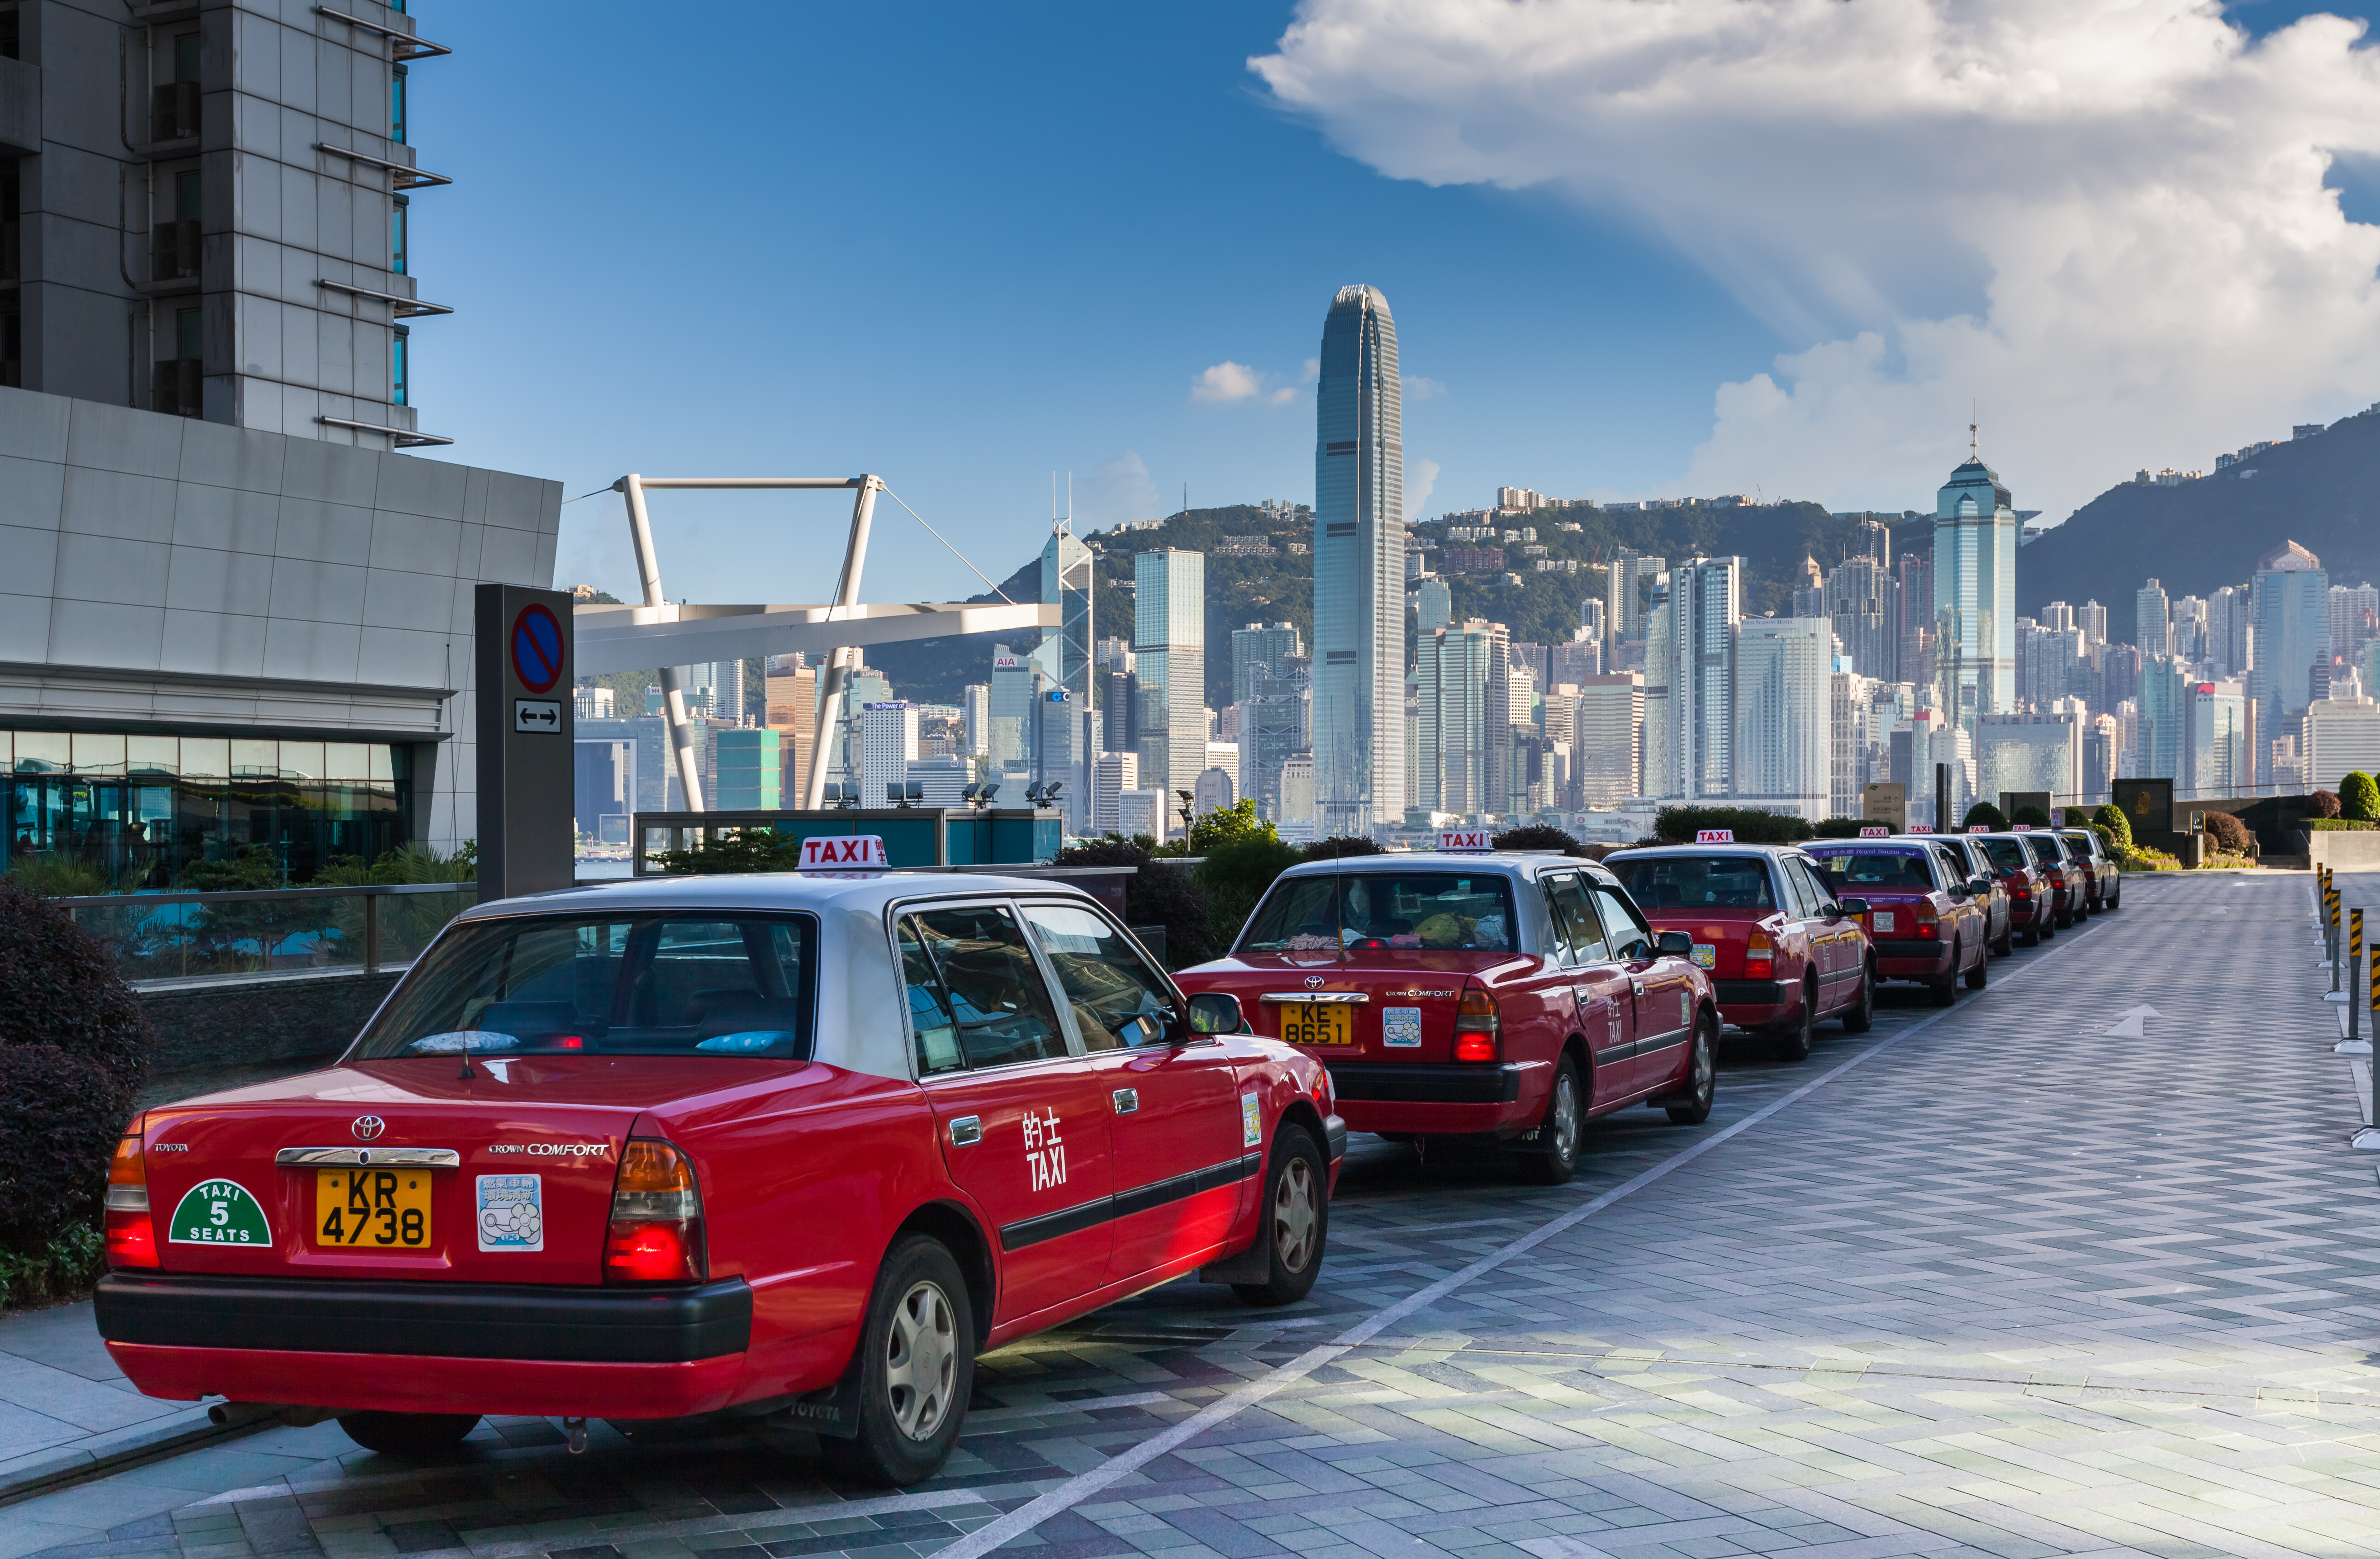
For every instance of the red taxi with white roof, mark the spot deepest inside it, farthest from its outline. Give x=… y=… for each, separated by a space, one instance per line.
x=1505 y=998
x=799 y=1147
x=2032 y=906
x=1922 y=918
x=1785 y=951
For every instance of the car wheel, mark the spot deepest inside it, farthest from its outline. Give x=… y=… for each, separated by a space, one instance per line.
x=2028 y=938
x=408 y=1435
x=1552 y=1156
x=2116 y=900
x=1860 y=1018
x=1296 y=1219
x=1945 y=990
x=1981 y=973
x=1792 y=1044
x=1702 y=1075
x=2046 y=929
x=917 y=1368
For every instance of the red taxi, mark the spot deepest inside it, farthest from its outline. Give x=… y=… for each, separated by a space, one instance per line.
x=800 y=1148
x=2030 y=893
x=1923 y=920
x=1783 y=949
x=2069 y=879
x=2090 y=852
x=1506 y=997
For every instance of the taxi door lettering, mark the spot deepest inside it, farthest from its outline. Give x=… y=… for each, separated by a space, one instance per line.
x=1045 y=1151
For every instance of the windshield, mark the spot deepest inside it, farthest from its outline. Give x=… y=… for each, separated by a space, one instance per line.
x=2085 y=845
x=1658 y=883
x=2005 y=852
x=2046 y=847
x=1854 y=870
x=1442 y=910
x=694 y=982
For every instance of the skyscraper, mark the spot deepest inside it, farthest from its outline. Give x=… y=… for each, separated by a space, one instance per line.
x=1169 y=644
x=1359 y=557
x=1690 y=678
x=2289 y=608
x=1270 y=683
x=1070 y=729
x=1974 y=593
x=1783 y=759
x=1464 y=697
x=2152 y=619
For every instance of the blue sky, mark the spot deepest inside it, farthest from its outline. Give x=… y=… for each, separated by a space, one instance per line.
x=962 y=246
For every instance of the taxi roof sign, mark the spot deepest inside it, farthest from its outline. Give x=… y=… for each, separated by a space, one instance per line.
x=1979 y=828
x=1876 y=831
x=1462 y=840
x=849 y=852
x=1714 y=837
x=2020 y=828
x=1920 y=828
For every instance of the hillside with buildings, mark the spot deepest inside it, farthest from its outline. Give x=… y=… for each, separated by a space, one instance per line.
x=2197 y=531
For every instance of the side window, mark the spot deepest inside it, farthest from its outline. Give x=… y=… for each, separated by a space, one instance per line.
x=1807 y=874
x=1629 y=936
x=976 y=997
x=1117 y=999
x=1797 y=891
x=1581 y=929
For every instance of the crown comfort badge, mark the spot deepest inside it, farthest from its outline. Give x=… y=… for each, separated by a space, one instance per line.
x=219 y=1213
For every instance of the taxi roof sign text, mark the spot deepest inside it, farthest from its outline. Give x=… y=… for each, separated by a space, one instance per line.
x=1714 y=837
x=853 y=852
x=1920 y=828
x=1876 y=831
x=1458 y=839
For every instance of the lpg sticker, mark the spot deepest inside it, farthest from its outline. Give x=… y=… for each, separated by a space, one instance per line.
x=512 y=1212
x=1251 y=1121
x=1400 y=1028
x=1045 y=1151
x=219 y=1213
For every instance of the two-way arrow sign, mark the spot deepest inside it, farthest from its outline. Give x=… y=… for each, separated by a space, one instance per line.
x=2128 y=1024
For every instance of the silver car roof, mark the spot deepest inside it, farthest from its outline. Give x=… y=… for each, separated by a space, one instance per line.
x=1522 y=865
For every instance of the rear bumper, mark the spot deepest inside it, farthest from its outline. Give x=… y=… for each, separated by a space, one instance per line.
x=1913 y=960
x=1420 y=1097
x=1752 y=1004
x=418 y=1383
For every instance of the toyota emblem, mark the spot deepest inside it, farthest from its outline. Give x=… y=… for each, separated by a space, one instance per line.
x=369 y=1127
x=1314 y=982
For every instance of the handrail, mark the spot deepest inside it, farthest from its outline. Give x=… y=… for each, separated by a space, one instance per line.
x=422 y=48
x=405 y=308
x=407 y=176
x=120 y=901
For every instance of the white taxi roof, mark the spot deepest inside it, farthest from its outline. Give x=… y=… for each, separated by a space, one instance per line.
x=1524 y=865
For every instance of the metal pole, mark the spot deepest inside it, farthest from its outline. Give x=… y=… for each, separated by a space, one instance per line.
x=838 y=671
x=648 y=575
x=2354 y=962
x=371 y=933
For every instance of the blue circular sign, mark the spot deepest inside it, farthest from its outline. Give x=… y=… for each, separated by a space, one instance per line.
x=537 y=648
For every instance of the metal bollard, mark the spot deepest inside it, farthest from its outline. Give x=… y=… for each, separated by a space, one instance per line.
x=2354 y=962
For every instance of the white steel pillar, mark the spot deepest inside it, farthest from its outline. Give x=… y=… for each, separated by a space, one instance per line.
x=838 y=671
x=649 y=574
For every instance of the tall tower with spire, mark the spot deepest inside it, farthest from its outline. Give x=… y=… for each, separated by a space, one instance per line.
x=1974 y=592
x=1359 y=566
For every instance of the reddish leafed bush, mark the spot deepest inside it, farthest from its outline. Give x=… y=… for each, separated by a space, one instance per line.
x=2231 y=836
x=2321 y=804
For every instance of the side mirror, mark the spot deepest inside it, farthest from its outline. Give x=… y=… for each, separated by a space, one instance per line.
x=1853 y=906
x=1674 y=945
x=1981 y=885
x=1215 y=1011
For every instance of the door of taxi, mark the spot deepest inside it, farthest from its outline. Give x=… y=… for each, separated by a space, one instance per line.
x=1831 y=957
x=1185 y=1147
x=1606 y=996
x=1022 y=1120
x=1664 y=988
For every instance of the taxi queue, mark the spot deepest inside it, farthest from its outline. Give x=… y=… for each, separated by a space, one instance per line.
x=794 y=1149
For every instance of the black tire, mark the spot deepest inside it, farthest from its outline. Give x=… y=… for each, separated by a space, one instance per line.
x=1701 y=1074
x=1945 y=991
x=2029 y=938
x=1980 y=973
x=1861 y=1017
x=1295 y=1221
x=1552 y=1157
x=2046 y=930
x=1792 y=1043
x=917 y=1368
x=2116 y=899
x=408 y=1435
x=2007 y=943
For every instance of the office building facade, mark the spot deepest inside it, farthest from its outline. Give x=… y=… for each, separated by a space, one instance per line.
x=1170 y=656
x=1690 y=678
x=1782 y=750
x=2290 y=613
x=1606 y=724
x=1359 y=559
x=1974 y=594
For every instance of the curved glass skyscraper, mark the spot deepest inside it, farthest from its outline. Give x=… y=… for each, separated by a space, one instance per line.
x=1359 y=568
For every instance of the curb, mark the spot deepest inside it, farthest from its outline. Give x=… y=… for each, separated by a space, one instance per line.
x=43 y=1472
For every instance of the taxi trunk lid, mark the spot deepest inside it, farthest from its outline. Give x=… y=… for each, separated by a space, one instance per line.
x=1404 y=1006
x=404 y=1169
x=1722 y=936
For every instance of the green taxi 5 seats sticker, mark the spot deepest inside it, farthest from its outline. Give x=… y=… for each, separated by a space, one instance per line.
x=219 y=1213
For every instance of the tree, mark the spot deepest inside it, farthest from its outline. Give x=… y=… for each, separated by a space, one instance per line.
x=2120 y=827
x=760 y=848
x=1842 y=828
x=1235 y=875
x=1170 y=896
x=1989 y=816
x=2359 y=797
x=1750 y=825
x=2321 y=804
x=2032 y=817
x=1229 y=825
x=1537 y=836
x=1340 y=846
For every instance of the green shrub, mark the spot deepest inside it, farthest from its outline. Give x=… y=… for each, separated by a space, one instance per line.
x=758 y=849
x=1537 y=836
x=2111 y=820
x=55 y=874
x=2138 y=859
x=1752 y=826
x=2032 y=817
x=2359 y=797
x=60 y=1269
x=1841 y=828
x=2336 y=826
x=1170 y=896
x=1340 y=846
x=1231 y=824
x=1235 y=876
x=1991 y=816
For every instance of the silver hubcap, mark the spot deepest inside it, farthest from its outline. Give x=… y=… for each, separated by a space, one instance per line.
x=1705 y=1072
x=1565 y=1121
x=1293 y=1218
x=922 y=1362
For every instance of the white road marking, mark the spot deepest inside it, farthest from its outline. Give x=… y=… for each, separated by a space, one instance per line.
x=2129 y=1023
x=1047 y=1409
x=1082 y=1485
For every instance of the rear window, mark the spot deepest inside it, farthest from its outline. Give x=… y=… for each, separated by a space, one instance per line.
x=1885 y=867
x=1442 y=910
x=2046 y=847
x=2084 y=846
x=691 y=983
x=2005 y=852
x=1658 y=883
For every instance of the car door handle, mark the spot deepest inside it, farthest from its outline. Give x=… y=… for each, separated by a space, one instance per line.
x=1127 y=1100
x=966 y=1131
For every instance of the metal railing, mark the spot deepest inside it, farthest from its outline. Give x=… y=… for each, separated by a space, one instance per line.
x=361 y=929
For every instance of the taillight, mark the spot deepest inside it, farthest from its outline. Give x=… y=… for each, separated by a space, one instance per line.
x=1759 y=956
x=1929 y=919
x=1477 y=1032
x=656 y=1229
x=131 y=1238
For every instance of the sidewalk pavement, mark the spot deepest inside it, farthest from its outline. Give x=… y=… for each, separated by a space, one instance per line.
x=66 y=1411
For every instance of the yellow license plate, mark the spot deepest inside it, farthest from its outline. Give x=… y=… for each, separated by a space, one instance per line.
x=373 y=1209
x=1318 y=1023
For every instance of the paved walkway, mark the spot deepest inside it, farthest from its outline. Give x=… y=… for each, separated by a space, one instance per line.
x=1990 y=1280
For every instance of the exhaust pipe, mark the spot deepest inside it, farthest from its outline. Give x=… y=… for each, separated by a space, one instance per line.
x=223 y=1415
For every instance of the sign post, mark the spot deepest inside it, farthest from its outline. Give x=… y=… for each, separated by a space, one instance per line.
x=521 y=681
x=1886 y=802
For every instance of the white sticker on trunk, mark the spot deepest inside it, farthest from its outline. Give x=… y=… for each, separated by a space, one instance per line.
x=512 y=1212
x=1400 y=1027
x=1884 y=920
x=1251 y=1121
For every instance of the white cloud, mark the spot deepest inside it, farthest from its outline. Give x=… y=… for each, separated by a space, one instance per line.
x=1421 y=476
x=1115 y=491
x=1225 y=382
x=1418 y=388
x=2105 y=222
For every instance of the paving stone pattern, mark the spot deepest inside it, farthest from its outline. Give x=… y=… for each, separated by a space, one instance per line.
x=2006 y=1286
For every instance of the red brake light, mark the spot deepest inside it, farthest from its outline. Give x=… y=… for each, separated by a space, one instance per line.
x=1759 y=956
x=1929 y=919
x=131 y=1238
x=1478 y=1033
x=656 y=1228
